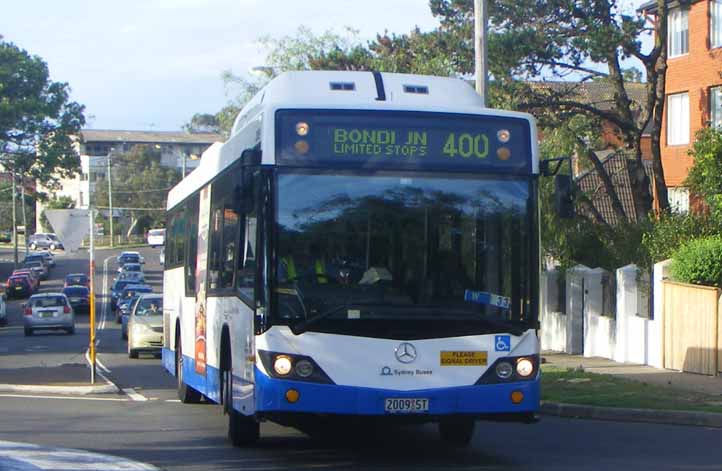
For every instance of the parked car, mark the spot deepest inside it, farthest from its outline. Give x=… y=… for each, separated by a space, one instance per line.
x=77 y=279
x=145 y=325
x=79 y=297
x=45 y=241
x=37 y=267
x=6 y=236
x=156 y=237
x=19 y=286
x=126 y=267
x=126 y=295
x=34 y=279
x=48 y=311
x=129 y=257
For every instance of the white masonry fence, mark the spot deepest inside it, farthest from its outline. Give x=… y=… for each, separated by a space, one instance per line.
x=596 y=313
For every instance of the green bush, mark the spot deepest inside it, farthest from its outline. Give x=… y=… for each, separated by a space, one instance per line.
x=672 y=230
x=699 y=261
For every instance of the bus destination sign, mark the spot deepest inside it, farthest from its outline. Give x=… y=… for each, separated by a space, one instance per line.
x=403 y=140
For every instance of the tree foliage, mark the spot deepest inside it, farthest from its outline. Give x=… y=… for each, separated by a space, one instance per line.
x=37 y=119
x=705 y=176
x=140 y=183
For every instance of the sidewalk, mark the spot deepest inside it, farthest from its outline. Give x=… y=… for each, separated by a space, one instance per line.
x=67 y=378
x=692 y=382
x=598 y=388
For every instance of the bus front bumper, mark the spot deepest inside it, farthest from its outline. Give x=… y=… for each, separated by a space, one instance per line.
x=484 y=401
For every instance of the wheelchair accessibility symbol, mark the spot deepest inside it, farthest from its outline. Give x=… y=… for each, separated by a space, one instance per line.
x=502 y=343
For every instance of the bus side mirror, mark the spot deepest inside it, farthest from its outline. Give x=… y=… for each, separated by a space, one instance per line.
x=563 y=197
x=251 y=157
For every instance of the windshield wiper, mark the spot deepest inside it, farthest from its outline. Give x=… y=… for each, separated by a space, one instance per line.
x=302 y=326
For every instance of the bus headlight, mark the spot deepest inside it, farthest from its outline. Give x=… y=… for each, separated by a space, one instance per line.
x=524 y=367
x=292 y=367
x=304 y=368
x=504 y=370
x=282 y=365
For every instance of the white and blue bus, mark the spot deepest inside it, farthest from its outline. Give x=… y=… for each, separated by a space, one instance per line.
x=364 y=245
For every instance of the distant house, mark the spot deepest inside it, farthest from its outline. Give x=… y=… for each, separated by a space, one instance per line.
x=693 y=87
x=180 y=150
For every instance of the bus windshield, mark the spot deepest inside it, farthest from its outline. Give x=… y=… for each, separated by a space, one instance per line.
x=404 y=256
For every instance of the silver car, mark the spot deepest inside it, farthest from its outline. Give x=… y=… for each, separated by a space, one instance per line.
x=48 y=311
x=145 y=325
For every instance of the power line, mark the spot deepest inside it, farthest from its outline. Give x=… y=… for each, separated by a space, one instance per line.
x=131 y=209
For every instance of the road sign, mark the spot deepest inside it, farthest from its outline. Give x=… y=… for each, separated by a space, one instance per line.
x=71 y=226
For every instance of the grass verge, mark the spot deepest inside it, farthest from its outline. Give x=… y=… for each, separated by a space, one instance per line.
x=579 y=387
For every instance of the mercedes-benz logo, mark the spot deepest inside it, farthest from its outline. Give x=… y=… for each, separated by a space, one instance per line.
x=405 y=352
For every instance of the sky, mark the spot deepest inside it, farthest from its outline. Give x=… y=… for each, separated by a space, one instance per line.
x=152 y=64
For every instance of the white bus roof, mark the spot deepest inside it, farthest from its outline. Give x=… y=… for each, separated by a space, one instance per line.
x=338 y=90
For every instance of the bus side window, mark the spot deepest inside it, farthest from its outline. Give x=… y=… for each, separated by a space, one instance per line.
x=192 y=252
x=246 y=274
x=224 y=229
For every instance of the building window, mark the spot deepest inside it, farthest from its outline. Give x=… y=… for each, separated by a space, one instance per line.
x=715 y=27
x=678 y=119
x=677 y=33
x=678 y=199
x=715 y=107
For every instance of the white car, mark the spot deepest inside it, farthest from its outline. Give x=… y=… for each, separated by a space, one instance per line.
x=48 y=311
x=156 y=237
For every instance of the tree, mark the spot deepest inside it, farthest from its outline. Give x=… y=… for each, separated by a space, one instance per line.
x=202 y=122
x=705 y=176
x=61 y=202
x=141 y=185
x=586 y=40
x=37 y=119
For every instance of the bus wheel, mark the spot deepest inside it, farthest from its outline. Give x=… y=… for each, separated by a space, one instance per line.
x=186 y=394
x=242 y=430
x=457 y=431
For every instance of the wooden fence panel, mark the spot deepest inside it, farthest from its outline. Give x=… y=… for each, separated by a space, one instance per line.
x=691 y=328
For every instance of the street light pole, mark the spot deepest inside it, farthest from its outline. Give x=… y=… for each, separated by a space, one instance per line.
x=184 y=165
x=481 y=18
x=110 y=199
x=15 y=222
x=25 y=221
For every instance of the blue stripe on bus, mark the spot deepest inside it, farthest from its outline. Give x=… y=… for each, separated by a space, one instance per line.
x=208 y=385
x=334 y=399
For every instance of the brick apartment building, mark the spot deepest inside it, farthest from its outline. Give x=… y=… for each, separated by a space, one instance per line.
x=693 y=88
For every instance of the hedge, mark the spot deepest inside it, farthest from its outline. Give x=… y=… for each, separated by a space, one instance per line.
x=699 y=261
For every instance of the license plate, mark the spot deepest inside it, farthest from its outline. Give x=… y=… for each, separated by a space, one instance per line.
x=18 y=288
x=47 y=314
x=400 y=405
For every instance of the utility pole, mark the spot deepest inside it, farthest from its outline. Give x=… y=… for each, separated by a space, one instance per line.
x=481 y=18
x=183 y=167
x=110 y=199
x=25 y=220
x=91 y=253
x=15 y=222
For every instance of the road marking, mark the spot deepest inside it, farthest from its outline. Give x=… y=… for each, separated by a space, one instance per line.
x=37 y=348
x=134 y=395
x=74 y=398
x=172 y=400
x=29 y=457
x=101 y=365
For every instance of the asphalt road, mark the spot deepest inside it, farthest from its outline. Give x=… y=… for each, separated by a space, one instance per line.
x=147 y=424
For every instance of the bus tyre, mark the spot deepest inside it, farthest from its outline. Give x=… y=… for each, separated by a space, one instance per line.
x=186 y=394
x=242 y=430
x=456 y=431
